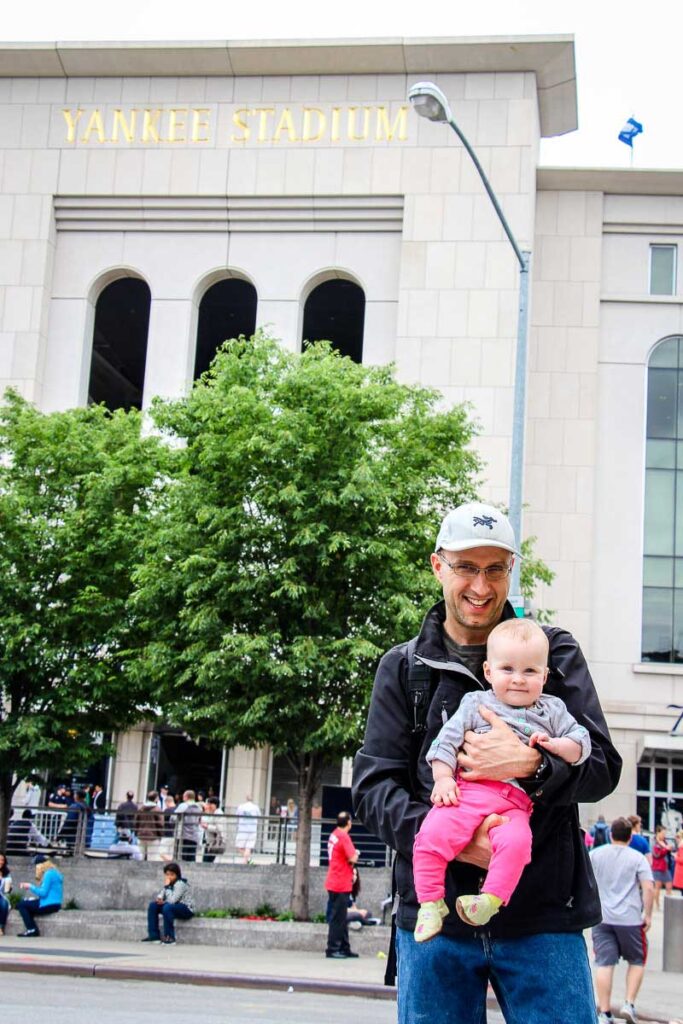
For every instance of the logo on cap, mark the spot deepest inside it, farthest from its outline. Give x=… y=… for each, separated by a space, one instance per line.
x=484 y=521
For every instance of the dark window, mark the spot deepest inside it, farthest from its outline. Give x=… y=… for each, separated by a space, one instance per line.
x=227 y=310
x=663 y=540
x=335 y=312
x=119 y=351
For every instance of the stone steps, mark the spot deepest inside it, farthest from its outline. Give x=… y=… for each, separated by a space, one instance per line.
x=130 y=926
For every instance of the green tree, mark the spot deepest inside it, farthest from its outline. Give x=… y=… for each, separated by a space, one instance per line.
x=75 y=495
x=293 y=550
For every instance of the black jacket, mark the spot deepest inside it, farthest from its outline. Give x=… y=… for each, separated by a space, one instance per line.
x=557 y=891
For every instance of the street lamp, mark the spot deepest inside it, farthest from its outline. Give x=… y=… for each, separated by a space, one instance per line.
x=429 y=102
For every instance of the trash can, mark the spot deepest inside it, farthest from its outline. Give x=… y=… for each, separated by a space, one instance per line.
x=673 y=933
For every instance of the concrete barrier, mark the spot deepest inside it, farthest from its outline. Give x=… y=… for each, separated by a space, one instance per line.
x=130 y=926
x=130 y=885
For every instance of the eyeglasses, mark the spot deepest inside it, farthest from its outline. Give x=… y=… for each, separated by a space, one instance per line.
x=494 y=573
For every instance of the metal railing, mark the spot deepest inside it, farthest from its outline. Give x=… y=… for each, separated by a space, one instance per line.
x=189 y=836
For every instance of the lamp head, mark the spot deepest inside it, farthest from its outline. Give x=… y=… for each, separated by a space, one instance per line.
x=429 y=101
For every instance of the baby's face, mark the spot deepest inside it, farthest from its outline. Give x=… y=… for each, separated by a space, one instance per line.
x=517 y=670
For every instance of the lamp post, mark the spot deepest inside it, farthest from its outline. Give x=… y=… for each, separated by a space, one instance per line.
x=430 y=102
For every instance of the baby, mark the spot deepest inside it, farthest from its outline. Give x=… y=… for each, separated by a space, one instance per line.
x=517 y=668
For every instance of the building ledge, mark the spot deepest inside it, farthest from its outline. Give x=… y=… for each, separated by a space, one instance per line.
x=656 y=668
x=649 y=300
x=550 y=58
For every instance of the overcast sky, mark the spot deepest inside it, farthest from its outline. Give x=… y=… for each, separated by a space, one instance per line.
x=628 y=54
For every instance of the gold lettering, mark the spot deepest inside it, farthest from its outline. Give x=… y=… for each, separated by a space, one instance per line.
x=177 y=124
x=334 y=132
x=353 y=136
x=95 y=125
x=71 y=122
x=306 y=135
x=198 y=123
x=121 y=124
x=263 y=113
x=150 y=125
x=239 y=123
x=286 y=124
x=398 y=129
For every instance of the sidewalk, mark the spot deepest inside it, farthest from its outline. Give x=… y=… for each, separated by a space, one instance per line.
x=661 y=997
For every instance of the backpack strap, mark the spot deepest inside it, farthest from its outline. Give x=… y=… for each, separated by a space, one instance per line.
x=419 y=685
x=419 y=689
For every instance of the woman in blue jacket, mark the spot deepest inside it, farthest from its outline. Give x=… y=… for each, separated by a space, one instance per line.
x=47 y=895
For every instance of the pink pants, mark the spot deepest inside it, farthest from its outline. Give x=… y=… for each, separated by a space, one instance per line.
x=447 y=830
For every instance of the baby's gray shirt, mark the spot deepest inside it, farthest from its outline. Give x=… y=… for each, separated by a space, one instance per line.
x=547 y=714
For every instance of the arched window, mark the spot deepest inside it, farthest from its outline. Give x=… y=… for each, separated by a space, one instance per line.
x=227 y=310
x=663 y=540
x=119 y=350
x=335 y=311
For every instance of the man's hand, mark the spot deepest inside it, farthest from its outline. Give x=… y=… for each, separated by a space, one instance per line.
x=478 y=850
x=445 y=792
x=647 y=922
x=497 y=754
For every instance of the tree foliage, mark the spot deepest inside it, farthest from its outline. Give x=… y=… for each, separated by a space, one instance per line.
x=75 y=494
x=293 y=547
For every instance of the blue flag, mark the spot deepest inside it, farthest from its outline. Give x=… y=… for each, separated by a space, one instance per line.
x=629 y=131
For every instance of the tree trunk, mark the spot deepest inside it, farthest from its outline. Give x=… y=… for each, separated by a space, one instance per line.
x=7 y=787
x=310 y=772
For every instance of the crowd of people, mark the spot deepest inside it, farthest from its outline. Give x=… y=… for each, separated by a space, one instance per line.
x=149 y=828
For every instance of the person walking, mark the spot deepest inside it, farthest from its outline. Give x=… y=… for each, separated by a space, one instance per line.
x=125 y=813
x=248 y=814
x=639 y=842
x=416 y=685
x=661 y=869
x=189 y=812
x=210 y=824
x=341 y=855
x=47 y=896
x=148 y=825
x=600 y=832
x=174 y=901
x=626 y=892
x=678 y=863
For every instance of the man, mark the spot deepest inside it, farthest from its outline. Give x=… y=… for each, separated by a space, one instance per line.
x=148 y=825
x=248 y=814
x=210 y=823
x=534 y=948
x=23 y=833
x=189 y=812
x=600 y=832
x=626 y=890
x=342 y=855
x=98 y=801
x=78 y=815
x=125 y=813
x=58 y=801
x=638 y=841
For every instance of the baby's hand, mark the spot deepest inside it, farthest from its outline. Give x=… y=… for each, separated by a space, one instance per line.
x=445 y=792
x=539 y=739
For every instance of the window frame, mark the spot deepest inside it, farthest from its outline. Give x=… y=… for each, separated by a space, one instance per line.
x=674 y=270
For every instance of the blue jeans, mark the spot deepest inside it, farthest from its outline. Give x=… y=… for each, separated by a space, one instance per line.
x=4 y=910
x=169 y=912
x=30 y=908
x=538 y=979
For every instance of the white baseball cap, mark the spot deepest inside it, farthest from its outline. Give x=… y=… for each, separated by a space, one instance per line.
x=476 y=526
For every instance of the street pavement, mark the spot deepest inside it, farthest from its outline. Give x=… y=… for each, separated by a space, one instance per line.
x=284 y=971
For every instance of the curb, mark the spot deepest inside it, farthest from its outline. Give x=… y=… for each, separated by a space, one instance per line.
x=187 y=977
x=362 y=990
